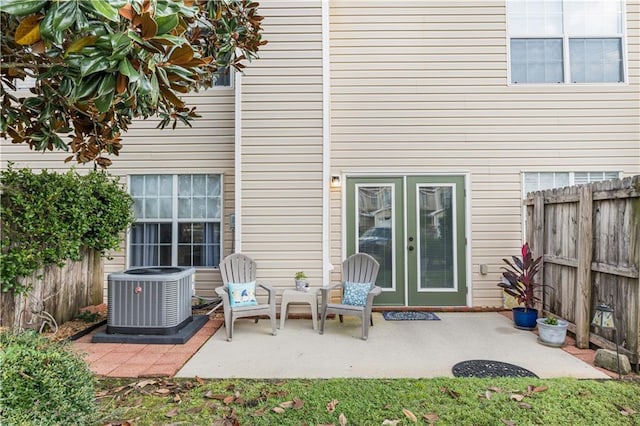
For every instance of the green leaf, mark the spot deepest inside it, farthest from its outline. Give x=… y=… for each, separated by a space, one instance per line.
x=107 y=85
x=166 y=23
x=21 y=7
x=104 y=8
x=127 y=69
x=87 y=87
x=103 y=103
x=93 y=64
x=64 y=15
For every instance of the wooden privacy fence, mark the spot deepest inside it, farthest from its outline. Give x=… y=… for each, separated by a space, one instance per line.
x=59 y=291
x=589 y=236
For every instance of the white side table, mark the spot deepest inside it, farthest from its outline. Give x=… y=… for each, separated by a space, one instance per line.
x=290 y=296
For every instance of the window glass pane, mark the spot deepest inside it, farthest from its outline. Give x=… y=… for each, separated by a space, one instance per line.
x=199 y=185
x=596 y=60
x=165 y=233
x=166 y=208
x=530 y=182
x=535 y=17
x=138 y=207
x=150 y=208
x=536 y=61
x=137 y=185
x=375 y=232
x=166 y=186
x=199 y=208
x=151 y=185
x=546 y=181
x=213 y=208
x=184 y=185
x=437 y=231
x=222 y=78
x=213 y=185
x=184 y=208
x=561 y=180
x=593 y=17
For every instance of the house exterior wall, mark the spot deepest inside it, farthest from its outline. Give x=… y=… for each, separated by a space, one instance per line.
x=207 y=147
x=281 y=147
x=417 y=87
x=421 y=87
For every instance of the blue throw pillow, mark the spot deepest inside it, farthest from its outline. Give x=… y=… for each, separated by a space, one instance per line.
x=242 y=294
x=355 y=293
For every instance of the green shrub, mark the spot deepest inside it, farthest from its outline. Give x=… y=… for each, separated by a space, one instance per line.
x=43 y=382
x=48 y=217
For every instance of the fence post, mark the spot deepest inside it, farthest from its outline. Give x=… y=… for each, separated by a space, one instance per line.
x=583 y=274
x=538 y=238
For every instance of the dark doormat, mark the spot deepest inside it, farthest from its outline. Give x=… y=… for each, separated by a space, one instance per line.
x=485 y=368
x=409 y=316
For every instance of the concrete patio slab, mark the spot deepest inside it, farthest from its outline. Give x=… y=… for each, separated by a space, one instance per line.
x=395 y=349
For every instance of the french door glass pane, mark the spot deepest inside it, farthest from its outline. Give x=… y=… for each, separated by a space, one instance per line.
x=375 y=228
x=437 y=233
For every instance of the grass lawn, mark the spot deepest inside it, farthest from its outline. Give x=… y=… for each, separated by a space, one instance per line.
x=445 y=401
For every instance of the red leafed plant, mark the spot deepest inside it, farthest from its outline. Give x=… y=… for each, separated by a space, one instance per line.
x=519 y=277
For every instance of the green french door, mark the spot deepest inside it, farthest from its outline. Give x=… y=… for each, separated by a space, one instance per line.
x=415 y=227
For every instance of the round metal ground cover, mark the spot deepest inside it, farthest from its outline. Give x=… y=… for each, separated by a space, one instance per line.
x=487 y=368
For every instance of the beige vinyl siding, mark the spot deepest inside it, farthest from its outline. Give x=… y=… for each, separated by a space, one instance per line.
x=207 y=147
x=281 y=149
x=421 y=87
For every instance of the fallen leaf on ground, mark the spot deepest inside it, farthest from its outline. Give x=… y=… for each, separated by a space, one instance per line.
x=540 y=388
x=278 y=410
x=509 y=422
x=388 y=422
x=286 y=404
x=525 y=405
x=331 y=406
x=626 y=411
x=431 y=418
x=410 y=415
x=217 y=396
x=177 y=399
x=199 y=380
x=516 y=397
x=260 y=412
x=342 y=419
x=451 y=393
x=171 y=413
x=228 y=400
x=144 y=383
x=494 y=389
x=194 y=410
x=487 y=394
x=297 y=403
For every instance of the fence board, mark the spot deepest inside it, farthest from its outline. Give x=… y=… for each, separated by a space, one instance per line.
x=590 y=235
x=61 y=291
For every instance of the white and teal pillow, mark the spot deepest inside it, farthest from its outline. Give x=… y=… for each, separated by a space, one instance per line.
x=355 y=293
x=242 y=294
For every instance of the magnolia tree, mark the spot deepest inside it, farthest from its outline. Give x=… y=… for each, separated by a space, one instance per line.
x=98 y=64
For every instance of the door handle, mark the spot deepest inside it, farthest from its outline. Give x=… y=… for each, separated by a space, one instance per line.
x=410 y=248
x=410 y=239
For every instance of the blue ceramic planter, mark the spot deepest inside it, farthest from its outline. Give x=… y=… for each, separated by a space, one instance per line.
x=525 y=319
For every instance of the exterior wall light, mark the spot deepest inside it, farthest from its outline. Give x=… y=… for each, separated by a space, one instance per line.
x=336 y=181
x=604 y=318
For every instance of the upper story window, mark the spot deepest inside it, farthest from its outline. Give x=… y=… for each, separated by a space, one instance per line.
x=223 y=78
x=566 y=41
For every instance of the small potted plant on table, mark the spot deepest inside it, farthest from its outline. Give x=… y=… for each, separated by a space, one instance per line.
x=552 y=331
x=301 y=281
x=519 y=281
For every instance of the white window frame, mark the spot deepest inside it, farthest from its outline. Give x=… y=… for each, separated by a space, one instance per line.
x=174 y=221
x=566 y=71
